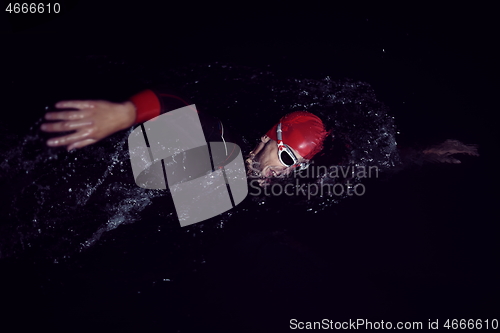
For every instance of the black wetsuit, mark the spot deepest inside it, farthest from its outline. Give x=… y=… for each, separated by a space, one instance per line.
x=196 y=161
x=213 y=128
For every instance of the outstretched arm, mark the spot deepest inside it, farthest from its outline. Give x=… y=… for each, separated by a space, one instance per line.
x=91 y=121
x=444 y=152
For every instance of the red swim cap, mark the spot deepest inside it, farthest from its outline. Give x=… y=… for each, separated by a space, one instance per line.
x=302 y=131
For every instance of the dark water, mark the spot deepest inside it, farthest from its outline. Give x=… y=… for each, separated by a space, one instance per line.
x=52 y=189
x=83 y=248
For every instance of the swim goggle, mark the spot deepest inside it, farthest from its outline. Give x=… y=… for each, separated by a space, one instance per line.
x=286 y=155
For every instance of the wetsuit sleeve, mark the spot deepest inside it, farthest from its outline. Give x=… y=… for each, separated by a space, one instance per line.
x=151 y=103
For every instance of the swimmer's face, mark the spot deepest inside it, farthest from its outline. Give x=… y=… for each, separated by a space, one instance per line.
x=263 y=162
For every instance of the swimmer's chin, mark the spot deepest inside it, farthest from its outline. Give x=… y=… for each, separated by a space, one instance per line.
x=256 y=176
x=263 y=182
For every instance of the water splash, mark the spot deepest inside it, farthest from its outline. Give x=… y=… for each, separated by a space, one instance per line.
x=64 y=202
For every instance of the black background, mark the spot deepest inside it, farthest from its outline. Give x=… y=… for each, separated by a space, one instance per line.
x=424 y=246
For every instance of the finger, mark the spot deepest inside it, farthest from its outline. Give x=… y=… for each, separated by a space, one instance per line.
x=451 y=160
x=81 y=144
x=473 y=150
x=68 y=115
x=469 y=150
x=68 y=139
x=64 y=126
x=75 y=104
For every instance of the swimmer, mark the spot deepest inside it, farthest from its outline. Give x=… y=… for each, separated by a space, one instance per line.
x=288 y=146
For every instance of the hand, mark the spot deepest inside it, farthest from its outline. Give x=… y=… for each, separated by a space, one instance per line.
x=93 y=121
x=443 y=151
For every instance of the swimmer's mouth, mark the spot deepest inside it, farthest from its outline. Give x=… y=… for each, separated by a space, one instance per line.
x=267 y=173
x=252 y=169
x=271 y=173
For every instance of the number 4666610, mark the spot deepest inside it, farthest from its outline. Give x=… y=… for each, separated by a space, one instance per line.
x=25 y=8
